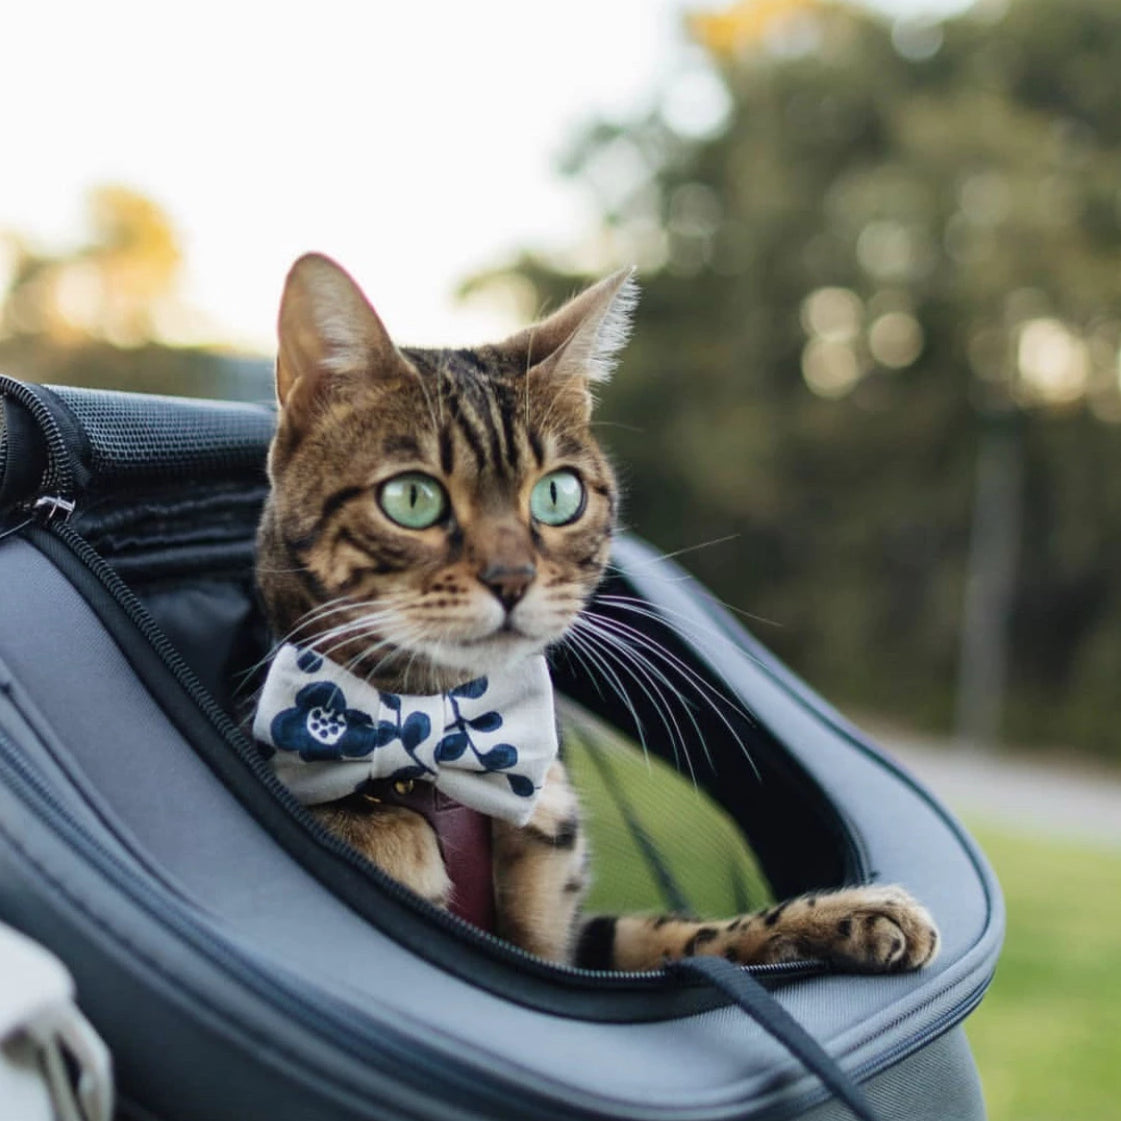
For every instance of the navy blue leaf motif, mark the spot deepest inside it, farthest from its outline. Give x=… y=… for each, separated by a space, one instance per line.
x=472 y=689
x=391 y=700
x=501 y=756
x=385 y=732
x=521 y=785
x=309 y=661
x=415 y=730
x=488 y=722
x=451 y=747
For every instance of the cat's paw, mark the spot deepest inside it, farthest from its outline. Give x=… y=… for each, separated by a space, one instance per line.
x=861 y=929
x=866 y=929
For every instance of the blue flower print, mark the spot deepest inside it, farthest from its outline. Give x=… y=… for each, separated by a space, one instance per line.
x=321 y=727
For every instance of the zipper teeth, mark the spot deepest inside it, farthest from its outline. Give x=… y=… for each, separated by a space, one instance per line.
x=938 y=1027
x=185 y=677
x=311 y=1013
x=31 y=787
x=941 y=1024
x=59 y=476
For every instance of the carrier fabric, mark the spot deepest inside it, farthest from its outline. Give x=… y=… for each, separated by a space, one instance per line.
x=290 y=972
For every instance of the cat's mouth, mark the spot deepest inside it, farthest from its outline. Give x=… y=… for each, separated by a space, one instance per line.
x=507 y=632
x=482 y=654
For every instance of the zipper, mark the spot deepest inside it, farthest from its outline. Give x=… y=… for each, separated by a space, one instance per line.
x=938 y=1027
x=53 y=510
x=58 y=481
x=941 y=1024
x=35 y=793
x=240 y=745
x=309 y=1010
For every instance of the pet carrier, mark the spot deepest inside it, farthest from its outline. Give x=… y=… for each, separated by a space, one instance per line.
x=241 y=963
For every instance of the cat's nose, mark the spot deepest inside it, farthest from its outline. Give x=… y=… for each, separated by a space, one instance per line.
x=508 y=581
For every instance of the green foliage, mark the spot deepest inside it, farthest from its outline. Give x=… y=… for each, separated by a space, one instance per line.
x=1046 y=1038
x=876 y=258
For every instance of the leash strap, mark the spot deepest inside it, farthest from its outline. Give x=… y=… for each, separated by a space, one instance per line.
x=762 y=1007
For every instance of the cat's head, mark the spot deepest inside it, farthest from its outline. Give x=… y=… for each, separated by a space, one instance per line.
x=435 y=514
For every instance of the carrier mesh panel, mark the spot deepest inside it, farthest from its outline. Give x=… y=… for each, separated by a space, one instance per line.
x=167 y=438
x=659 y=843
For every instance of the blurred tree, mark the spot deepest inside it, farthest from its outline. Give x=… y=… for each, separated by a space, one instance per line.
x=900 y=239
x=101 y=315
x=111 y=288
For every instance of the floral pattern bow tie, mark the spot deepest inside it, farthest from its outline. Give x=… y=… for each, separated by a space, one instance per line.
x=487 y=743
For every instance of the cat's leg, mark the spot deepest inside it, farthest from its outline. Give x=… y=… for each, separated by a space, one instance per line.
x=400 y=842
x=540 y=872
x=865 y=929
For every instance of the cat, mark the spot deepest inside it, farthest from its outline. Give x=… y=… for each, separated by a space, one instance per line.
x=439 y=518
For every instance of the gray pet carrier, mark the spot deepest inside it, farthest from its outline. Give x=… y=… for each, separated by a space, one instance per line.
x=241 y=963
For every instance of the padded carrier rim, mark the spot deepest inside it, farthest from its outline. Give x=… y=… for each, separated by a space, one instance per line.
x=305 y=1006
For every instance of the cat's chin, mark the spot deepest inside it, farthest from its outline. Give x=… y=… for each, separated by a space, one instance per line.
x=481 y=657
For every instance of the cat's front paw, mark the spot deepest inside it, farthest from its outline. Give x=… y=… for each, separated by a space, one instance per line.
x=860 y=929
x=866 y=929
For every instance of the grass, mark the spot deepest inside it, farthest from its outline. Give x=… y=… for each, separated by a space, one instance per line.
x=1048 y=1036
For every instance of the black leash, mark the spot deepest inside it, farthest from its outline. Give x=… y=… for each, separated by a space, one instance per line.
x=758 y=1003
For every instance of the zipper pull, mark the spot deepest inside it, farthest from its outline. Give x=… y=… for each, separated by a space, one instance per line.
x=54 y=505
x=51 y=509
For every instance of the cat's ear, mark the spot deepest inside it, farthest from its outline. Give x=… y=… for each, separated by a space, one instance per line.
x=584 y=337
x=327 y=332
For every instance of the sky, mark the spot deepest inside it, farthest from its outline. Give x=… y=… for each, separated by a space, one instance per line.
x=416 y=143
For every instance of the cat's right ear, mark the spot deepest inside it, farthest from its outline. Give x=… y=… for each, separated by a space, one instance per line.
x=328 y=333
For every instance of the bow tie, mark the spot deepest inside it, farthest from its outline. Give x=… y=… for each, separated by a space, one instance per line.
x=487 y=743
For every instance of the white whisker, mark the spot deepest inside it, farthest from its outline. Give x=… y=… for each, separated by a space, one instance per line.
x=639 y=671
x=705 y=691
x=580 y=642
x=661 y=558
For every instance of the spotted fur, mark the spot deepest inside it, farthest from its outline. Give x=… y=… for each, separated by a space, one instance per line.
x=864 y=929
x=419 y=611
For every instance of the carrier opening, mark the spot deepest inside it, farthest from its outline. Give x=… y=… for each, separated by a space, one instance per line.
x=691 y=805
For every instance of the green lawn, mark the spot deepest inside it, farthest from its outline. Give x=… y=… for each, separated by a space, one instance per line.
x=1048 y=1036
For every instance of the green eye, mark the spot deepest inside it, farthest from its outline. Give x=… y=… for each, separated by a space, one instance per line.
x=558 y=498
x=413 y=500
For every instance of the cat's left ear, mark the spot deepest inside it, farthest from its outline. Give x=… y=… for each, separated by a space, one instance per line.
x=328 y=334
x=582 y=340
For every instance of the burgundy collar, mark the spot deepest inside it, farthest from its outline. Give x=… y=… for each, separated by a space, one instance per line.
x=464 y=837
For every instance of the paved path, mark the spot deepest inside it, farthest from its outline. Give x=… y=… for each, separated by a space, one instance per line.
x=1041 y=796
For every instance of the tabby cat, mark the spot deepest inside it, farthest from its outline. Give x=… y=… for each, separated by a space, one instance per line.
x=439 y=518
